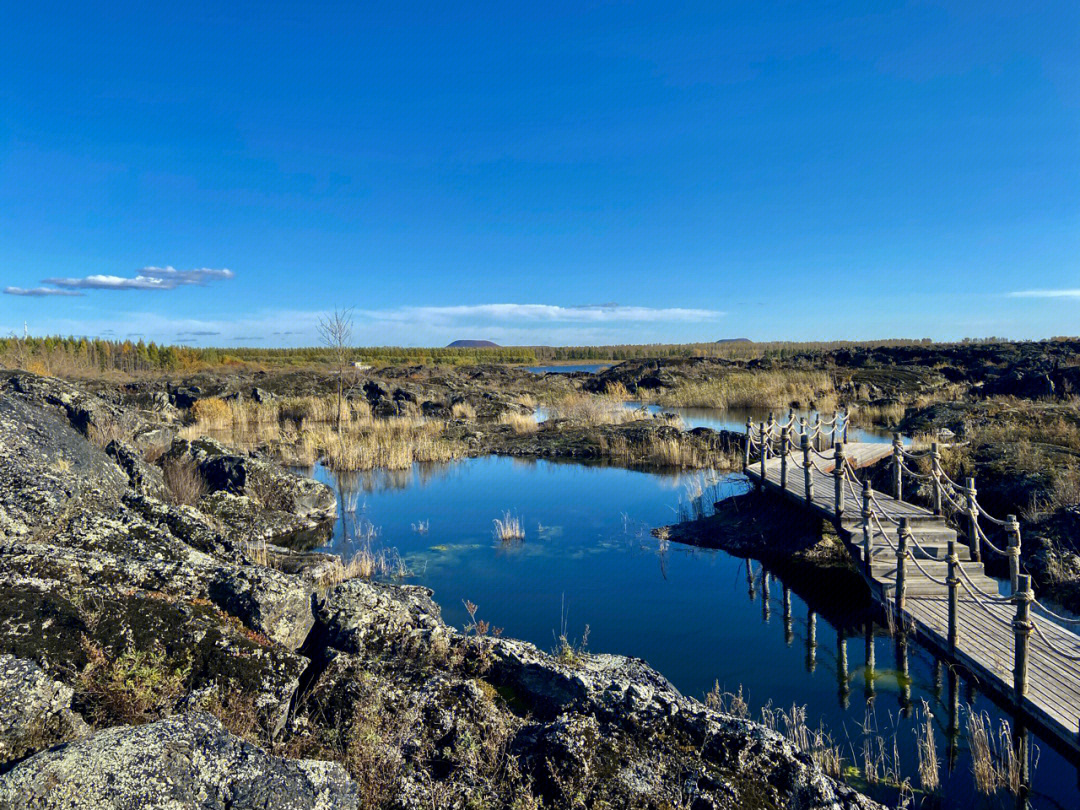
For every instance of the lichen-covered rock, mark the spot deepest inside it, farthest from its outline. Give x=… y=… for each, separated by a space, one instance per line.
x=144 y=478
x=360 y=616
x=277 y=605
x=35 y=711
x=187 y=761
x=246 y=517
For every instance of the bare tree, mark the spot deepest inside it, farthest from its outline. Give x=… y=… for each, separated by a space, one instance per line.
x=335 y=332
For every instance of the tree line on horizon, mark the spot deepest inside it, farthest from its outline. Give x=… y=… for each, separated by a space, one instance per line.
x=58 y=355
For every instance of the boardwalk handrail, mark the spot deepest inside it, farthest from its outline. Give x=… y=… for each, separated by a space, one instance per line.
x=778 y=440
x=794 y=441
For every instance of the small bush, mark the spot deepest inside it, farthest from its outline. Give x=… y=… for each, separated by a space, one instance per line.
x=212 y=412
x=135 y=687
x=183 y=481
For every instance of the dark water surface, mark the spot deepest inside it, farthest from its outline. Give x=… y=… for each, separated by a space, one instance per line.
x=698 y=616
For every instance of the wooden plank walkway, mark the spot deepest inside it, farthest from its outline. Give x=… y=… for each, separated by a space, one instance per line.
x=986 y=636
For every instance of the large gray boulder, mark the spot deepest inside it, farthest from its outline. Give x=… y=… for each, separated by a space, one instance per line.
x=360 y=616
x=35 y=710
x=183 y=762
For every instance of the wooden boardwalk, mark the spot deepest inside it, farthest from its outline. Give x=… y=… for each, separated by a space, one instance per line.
x=986 y=632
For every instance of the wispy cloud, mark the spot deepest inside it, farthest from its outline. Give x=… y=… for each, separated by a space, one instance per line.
x=1045 y=294
x=149 y=278
x=508 y=324
x=38 y=291
x=590 y=313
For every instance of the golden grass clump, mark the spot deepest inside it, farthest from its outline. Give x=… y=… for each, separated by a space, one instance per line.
x=212 y=412
x=364 y=564
x=755 y=389
x=588 y=409
x=463 y=410
x=508 y=528
x=520 y=423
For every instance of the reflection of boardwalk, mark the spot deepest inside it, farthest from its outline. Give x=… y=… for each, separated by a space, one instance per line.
x=917 y=566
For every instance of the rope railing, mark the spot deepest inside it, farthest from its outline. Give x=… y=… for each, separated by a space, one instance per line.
x=1071 y=656
x=1052 y=615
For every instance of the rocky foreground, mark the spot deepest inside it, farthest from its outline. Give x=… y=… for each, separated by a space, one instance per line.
x=163 y=646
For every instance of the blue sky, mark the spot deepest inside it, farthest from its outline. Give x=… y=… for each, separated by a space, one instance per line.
x=541 y=172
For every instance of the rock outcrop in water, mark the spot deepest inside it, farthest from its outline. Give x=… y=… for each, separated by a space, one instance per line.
x=150 y=657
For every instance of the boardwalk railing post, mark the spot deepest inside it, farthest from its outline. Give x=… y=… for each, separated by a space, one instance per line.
x=846 y=420
x=1012 y=529
x=785 y=451
x=897 y=461
x=901 y=568
x=838 y=475
x=1022 y=628
x=953 y=581
x=771 y=428
x=973 y=520
x=867 y=494
x=764 y=453
x=935 y=475
x=808 y=479
x=817 y=431
x=746 y=450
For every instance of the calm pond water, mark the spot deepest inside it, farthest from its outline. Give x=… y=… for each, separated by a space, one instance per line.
x=698 y=616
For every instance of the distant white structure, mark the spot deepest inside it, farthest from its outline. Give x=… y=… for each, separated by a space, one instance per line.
x=360 y=366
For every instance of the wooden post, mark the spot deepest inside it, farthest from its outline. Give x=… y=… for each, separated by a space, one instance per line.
x=973 y=520
x=901 y=568
x=1012 y=529
x=771 y=428
x=842 y=668
x=846 y=419
x=897 y=460
x=817 y=431
x=808 y=479
x=835 y=428
x=766 y=606
x=871 y=662
x=935 y=475
x=764 y=453
x=1022 y=629
x=867 y=494
x=838 y=477
x=785 y=450
x=746 y=450
x=953 y=582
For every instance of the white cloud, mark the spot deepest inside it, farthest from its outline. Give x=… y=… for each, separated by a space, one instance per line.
x=149 y=278
x=508 y=324
x=1045 y=294
x=38 y=291
x=600 y=313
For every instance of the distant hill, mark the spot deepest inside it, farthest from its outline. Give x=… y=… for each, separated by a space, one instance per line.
x=472 y=344
x=735 y=340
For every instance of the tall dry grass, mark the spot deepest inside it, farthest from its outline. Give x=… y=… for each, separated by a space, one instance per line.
x=754 y=389
x=589 y=409
x=520 y=423
x=301 y=431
